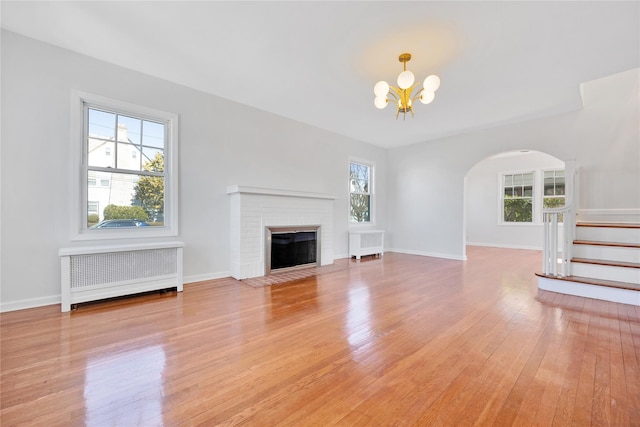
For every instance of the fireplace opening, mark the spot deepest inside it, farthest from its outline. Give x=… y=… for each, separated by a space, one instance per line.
x=291 y=247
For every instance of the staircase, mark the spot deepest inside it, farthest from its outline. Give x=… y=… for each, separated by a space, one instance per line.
x=603 y=263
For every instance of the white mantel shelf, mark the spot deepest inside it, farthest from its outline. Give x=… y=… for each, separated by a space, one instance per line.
x=238 y=189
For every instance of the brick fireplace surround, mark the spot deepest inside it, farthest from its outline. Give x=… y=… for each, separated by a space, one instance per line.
x=253 y=209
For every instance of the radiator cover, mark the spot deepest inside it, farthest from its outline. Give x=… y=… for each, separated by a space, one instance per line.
x=93 y=273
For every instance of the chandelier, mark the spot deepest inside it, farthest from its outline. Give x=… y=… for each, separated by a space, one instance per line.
x=403 y=94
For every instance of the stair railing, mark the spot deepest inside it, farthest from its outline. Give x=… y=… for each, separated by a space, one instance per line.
x=556 y=251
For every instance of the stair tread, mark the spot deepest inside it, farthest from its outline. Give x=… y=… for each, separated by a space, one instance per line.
x=605 y=262
x=609 y=224
x=600 y=243
x=592 y=281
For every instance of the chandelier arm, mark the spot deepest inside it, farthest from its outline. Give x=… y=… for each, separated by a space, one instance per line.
x=418 y=93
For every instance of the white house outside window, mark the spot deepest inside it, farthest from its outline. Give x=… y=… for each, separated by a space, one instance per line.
x=360 y=177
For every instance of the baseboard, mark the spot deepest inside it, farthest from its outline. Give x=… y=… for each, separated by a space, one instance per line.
x=204 y=277
x=623 y=296
x=56 y=299
x=609 y=215
x=504 y=246
x=30 y=303
x=429 y=254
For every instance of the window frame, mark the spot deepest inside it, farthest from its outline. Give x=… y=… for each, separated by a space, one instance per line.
x=535 y=216
x=79 y=229
x=371 y=192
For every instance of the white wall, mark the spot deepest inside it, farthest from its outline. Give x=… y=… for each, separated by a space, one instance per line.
x=426 y=181
x=221 y=143
x=482 y=197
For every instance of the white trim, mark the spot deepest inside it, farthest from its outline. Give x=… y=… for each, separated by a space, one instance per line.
x=622 y=296
x=206 y=277
x=631 y=215
x=429 y=254
x=233 y=189
x=81 y=250
x=79 y=232
x=505 y=246
x=24 y=304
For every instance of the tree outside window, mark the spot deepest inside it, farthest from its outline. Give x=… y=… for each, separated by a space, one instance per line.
x=360 y=192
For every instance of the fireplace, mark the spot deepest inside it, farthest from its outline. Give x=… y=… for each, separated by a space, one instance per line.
x=254 y=209
x=291 y=247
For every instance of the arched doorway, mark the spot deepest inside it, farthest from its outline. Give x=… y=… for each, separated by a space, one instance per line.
x=504 y=195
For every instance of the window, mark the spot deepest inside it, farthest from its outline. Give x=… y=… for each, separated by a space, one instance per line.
x=517 y=200
x=128 y=170
x=553 y=196
x=360 y=177
x=553 y=190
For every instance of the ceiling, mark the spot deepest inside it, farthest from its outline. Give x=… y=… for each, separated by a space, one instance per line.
x=317 y=62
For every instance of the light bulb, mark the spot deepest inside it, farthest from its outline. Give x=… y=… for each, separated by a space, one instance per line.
x=406 y=79
x=381 y=88
x=427 y=97
x=431 y=83
x=380 y=102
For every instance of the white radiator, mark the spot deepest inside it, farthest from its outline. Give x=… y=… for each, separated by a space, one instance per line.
x=93 y=273
x=366 y=242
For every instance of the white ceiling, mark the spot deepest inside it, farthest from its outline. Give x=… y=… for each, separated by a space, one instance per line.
x=317 y=62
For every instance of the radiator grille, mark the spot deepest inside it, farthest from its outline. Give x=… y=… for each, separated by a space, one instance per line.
x=371 y=240
x=98 y=269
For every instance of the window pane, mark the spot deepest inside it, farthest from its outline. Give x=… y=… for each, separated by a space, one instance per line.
x=528 y=191
x=508 y=180
x=359 y=187
x=508 y=192
x=153 y=134
x=129 y=197
x=559 y=186
x=360 y=207
x=129 y=129
x=548 y=186
x=100 y=153
x=518 y=210
x=152 y=160
x=101 y=124
x=527 y=179
x=517 y=179
x=553 y=202
x=127 y=157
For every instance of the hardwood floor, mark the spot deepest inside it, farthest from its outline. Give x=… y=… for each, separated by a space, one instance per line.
x=399 y=340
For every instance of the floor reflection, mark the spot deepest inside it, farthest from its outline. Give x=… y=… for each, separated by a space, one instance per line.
x=359 y=316
x=292 y=297
x=124 y=388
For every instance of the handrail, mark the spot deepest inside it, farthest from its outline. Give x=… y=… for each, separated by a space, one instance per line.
x=557 y=251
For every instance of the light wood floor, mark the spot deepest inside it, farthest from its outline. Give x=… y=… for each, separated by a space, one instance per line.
x=401 y=340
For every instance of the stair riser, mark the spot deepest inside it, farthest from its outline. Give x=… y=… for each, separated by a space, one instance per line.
x=610 y=253
x=606 y=272
x=623 y=296
x=619 y=235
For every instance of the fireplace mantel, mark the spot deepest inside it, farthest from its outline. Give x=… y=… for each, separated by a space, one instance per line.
x=253 y=209
x=238 y=189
